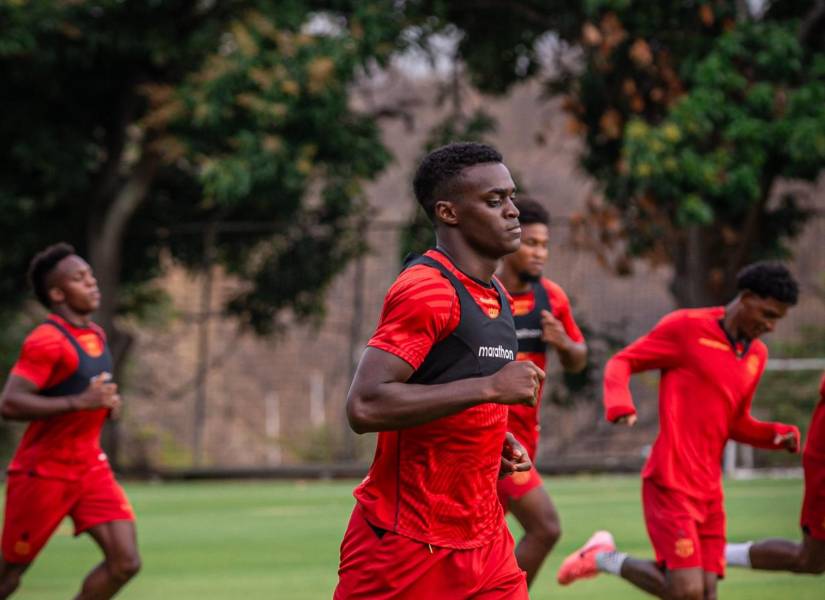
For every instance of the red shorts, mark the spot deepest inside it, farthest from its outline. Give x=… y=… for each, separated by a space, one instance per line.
x=35 y=506
x=515 y=486
x=812 y=518
x=379 y=565
x=685 y=532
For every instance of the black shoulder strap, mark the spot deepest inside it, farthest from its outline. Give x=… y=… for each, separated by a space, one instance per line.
x=542 y=299
x=502 y=298
x=413 y=259
x=65 y=332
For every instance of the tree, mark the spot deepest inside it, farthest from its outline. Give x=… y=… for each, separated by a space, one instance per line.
x=691 y=111
x=126 y=122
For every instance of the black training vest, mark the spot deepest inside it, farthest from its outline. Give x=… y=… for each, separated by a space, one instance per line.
x=479 y=346
x=528 y=327
x=87 y=367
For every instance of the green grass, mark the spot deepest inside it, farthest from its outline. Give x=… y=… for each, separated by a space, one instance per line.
x=270 y=540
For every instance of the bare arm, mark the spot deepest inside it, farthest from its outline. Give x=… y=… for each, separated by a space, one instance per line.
x=21 y=400
x=381 y=400
x=572 y=356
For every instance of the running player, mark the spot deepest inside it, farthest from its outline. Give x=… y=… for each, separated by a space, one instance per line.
x=60 y=384
x=543 y=321
x=711 y=361
x=787 y=555
x=435 y=382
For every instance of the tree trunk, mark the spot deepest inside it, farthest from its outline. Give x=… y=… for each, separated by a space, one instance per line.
x=691 y=285
x=106 y=233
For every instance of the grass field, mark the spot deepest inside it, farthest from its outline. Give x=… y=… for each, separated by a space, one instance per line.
x=278 y=540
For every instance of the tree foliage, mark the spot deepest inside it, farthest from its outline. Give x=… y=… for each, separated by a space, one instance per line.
x=131 y=128
x=691 y=112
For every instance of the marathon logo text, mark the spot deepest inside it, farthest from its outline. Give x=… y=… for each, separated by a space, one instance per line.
x=524 y=333
x=496 y=352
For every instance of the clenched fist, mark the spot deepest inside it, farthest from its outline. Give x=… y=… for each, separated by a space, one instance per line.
x=517 y=382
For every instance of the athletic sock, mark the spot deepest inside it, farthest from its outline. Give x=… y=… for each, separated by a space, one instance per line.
x=738 y=555
x=610 y=562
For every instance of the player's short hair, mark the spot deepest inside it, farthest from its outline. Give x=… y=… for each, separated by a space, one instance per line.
x=44 y=263
x=769 y=279
x=531 y=211
x=441 y=167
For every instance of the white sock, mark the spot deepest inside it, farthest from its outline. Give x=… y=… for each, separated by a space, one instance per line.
x=610 y=562
x=738 y=555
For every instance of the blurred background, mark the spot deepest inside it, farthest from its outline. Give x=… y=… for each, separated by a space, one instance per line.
x=238 y=174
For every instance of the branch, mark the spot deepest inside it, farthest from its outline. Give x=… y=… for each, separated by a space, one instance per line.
x=127 y=201
x=813 y=25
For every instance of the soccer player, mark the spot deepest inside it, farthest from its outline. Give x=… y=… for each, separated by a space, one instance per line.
x=786 y=555
x=435 y=382
x=711 y=361
x=544 y=321
x=60 y=385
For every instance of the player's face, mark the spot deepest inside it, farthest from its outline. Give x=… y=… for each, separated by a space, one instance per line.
x=73 y=283
x=485 y=212
x=760 y=315
x=529 y=260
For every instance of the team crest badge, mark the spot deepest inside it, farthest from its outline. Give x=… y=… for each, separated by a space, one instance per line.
x=521 y=477
x=752 y=365
x=684 y=547
x=91 y=345
x=22 y=548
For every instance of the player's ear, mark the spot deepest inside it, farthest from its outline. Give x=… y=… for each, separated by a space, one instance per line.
x=56 y=295
x=747 y=297
x=445 y=212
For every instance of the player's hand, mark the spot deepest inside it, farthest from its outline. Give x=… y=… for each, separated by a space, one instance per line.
x=787 y=437
x=514 y=457
x=552 y=331
x=629 y=420
x=517 y=382
x=101 y=393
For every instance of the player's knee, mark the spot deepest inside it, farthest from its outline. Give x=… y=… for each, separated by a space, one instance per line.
x=686 y=590
x=125 y=567
x=548 y=531
x=814 y=566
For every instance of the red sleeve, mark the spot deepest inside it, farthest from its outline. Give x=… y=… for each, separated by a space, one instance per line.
x=41 y=355
x=760 y=434
x=660 y=348
x=420 y=310
x=560 y=304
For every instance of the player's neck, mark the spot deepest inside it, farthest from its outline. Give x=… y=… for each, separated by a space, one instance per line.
x=467 y=260
x=731 y=320
x=71 y=316
x=511 y=280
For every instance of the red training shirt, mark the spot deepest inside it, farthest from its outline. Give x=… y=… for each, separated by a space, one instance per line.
x=523 y=421
x=815 y=443
x=705 y=396
x=64 y=446
x=435 y=483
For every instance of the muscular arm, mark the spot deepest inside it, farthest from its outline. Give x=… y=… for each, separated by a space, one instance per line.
x=381 y=400
x=21 y=401
x=572 y=356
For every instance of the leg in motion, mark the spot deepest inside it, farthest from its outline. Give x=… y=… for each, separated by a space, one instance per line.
x=537 y=515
